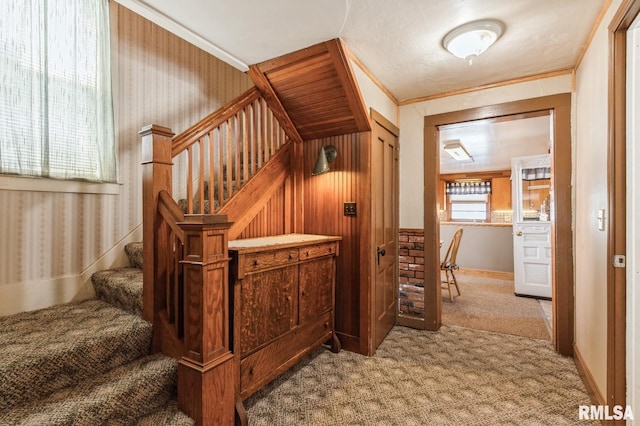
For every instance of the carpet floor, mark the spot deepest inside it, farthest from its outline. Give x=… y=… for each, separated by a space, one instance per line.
x=456 y=376
x=490 y=304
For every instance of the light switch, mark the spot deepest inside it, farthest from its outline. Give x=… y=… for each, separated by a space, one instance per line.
x=349 y=208
x=601 y=220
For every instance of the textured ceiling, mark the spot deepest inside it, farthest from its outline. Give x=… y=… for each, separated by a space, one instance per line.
x=398 y=41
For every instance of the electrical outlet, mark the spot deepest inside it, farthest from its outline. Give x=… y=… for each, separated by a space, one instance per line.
x=349 y=208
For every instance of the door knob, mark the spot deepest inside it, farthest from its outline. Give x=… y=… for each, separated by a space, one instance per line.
x=380 y=252
x=519 y=233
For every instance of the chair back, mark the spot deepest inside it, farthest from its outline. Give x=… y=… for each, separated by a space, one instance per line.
x=452 y=252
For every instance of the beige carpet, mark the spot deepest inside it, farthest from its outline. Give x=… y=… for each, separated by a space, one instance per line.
x=489 y=304
x=456 y=376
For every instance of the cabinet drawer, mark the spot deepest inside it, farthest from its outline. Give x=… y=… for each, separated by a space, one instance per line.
x=318 y=250
x=264 y=365
x=257 y=261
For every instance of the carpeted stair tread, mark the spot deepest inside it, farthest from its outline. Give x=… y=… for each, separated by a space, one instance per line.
x=49 y=349
x=134 y=253
x=169 y=415
x=117 y=397
x=121 y=287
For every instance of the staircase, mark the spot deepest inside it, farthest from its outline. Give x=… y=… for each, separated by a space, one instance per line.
x=88 y=363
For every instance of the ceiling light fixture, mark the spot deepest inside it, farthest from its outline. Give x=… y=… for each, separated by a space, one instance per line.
x=457 y=152
x=471 y=39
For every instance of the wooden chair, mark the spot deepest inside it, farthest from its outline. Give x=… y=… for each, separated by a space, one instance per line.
x=449 y=264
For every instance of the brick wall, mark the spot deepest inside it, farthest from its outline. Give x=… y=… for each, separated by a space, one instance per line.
x=411 y=274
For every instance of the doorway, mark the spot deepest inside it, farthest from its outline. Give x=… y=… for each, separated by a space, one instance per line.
x=499 y=196
x=561 y=234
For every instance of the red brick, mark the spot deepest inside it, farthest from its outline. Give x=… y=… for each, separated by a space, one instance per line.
x=416 y=267
x=416 y=281
x=403 y=238
x=404 y=280
x=403 y=252
x=416 y=239
x=417 y=253
x=419 y=260
x=407 y=259
x=407 y=246
x=403 y=266
x=419 y=274
x=409 y=274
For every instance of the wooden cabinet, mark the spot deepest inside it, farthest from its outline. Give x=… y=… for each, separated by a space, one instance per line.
x=501 y=193
x=283 y=291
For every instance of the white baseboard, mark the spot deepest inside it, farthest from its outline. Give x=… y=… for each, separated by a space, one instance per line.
x=15 y=298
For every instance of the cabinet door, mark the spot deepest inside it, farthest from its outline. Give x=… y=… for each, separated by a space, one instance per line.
x=501 y=193
x=316 y=288
x=268 y=306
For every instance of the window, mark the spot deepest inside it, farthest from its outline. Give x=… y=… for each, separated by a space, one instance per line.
x=56 y=112
x=469 y=207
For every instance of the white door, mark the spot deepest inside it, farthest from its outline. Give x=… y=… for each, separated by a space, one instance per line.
x=532 y=259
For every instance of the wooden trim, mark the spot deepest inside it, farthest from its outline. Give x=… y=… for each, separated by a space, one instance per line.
x=587 y=378
x=381 y=120
x=616 y=177
x=501 y=275
x=592 y=34
x=349 y=83
x=367 y=264
x=372 y=77
x=432 y=289
x=562 y=237
x=256 y=74
x=488 y=86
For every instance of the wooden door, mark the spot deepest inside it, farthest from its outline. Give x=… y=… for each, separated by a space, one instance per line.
x=532 y=259
x=384 y=171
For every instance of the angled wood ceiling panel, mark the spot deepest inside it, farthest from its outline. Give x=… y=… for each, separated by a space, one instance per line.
x=317 y=89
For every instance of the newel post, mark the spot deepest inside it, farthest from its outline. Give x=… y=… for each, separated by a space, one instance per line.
x=206 y=379
x=156 y=176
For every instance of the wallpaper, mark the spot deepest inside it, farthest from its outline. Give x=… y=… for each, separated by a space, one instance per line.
x=46 y=236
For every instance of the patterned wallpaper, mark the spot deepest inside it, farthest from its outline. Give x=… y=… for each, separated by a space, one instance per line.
x=158 y=78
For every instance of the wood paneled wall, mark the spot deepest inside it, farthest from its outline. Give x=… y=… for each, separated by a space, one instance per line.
x=271 y=220
x=324 y=196
x=48 y=239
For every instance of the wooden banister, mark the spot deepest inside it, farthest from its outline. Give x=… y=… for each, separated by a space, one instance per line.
x=204 y=126
x=185 y=272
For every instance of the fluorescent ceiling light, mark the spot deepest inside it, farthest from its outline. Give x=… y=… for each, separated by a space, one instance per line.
x=471 y=39
x=457 y=152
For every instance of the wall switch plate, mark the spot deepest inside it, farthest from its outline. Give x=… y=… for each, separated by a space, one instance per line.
x=349 y=208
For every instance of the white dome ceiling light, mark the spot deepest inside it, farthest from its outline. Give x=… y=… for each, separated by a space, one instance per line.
x=471 y=39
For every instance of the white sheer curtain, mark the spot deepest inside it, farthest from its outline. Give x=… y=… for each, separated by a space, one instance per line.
x=56 y=112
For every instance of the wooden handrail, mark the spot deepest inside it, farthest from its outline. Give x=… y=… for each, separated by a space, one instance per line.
x=210 y=122
x=171 y=213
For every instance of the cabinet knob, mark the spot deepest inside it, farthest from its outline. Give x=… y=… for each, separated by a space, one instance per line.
x=290 y=256
x=326 y=324
x=288 y=298
x=255 y=263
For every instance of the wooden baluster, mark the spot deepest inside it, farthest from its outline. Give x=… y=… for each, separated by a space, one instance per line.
x=156 y=176
x=245 y=145
x=206 y=373
x=189 y=180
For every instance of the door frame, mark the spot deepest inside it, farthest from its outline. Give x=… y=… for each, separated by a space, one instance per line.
x=561 y=233
x=617 y=173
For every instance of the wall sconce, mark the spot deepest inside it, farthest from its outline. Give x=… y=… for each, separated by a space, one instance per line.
x=457 y=152
x=471 y=39
x=326 y=155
